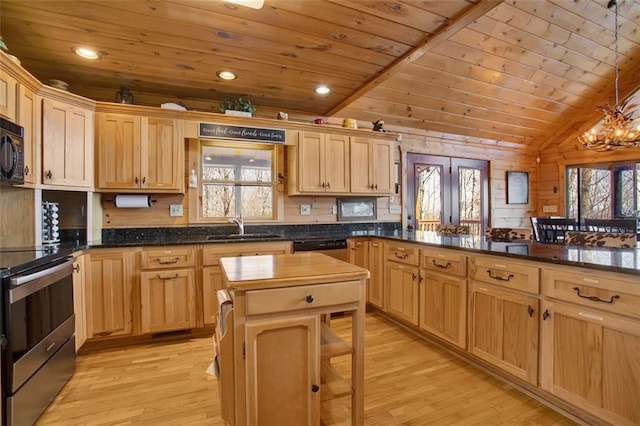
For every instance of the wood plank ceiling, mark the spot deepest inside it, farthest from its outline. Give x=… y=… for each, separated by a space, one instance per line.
x=522 y=72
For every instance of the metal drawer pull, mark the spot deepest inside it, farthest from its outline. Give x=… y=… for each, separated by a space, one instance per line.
x=309 y=299
x=167 y=278
x=498 y=277
x=403 y=256
x=167 y=262
x=530 y=311
x=545 y=314
x=595 y=298
x=315 y=388
x=440 y=265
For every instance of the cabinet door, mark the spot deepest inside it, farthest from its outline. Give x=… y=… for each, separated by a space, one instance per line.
x=79 y=301
x=505 y=330
x=283 y=371
x=109 y=292
x=310 y=165
x=161 y=155
x=336 y=161
x=118 y=152
x=67 y=145
x=7 y=96
x=361 y=171
x=211 y=283
x=375 y=293
x=383 y=175
x=591 y=358
x=401 y=291
x=168 y=300
x=28 y=117
x=443 y=307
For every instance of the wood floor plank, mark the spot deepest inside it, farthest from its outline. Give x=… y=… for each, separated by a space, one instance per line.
x=408 y=381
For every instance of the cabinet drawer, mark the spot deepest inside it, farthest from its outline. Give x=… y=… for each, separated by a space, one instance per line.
x=606 y=292
x=211 y=254
x=444 y=261
x=506 y=273
x=167 y=257
x=302 y=297
x=402 y=253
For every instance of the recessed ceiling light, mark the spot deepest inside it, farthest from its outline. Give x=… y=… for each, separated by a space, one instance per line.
x=85 y=52
x=227 y=75
x=254 y=4
x=322 y=90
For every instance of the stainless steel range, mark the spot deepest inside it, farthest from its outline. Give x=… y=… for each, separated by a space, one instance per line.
x=38 y=327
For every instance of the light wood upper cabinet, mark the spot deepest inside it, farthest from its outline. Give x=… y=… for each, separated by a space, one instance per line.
x=29 y=117
x=372 y=170
x=139 y=153
x=67 y=145
x=7 y=96
x=320 y=163
x=109 y=289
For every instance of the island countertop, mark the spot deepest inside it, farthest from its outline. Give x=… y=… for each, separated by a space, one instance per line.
x=286 y=270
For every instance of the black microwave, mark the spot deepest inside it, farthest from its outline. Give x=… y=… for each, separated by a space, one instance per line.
x=11 y=153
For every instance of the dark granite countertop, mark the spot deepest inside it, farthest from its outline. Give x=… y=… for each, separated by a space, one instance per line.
x=606 y=259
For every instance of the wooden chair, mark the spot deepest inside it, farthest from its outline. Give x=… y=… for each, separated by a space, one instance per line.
x=552 y=230
x=507 y=234
x=453 y=229
x=612 y=225
x=600 y=239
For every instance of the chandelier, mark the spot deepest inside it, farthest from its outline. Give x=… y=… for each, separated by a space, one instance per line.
x=616 y=130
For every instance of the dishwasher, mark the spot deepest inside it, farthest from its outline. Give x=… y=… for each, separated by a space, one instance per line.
x=334 y=247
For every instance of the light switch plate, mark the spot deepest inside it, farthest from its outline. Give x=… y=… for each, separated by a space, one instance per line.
x=175 y=210
x=334 y=209
x=305 y=209
x=549 y=209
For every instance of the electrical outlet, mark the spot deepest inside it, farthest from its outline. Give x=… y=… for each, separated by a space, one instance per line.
x=334 y=209
x=395 y=209
x=175 y=210
x=549 y=209
x=305 y=209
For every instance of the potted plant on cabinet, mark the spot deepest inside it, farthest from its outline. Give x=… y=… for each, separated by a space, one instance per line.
x=237 y=105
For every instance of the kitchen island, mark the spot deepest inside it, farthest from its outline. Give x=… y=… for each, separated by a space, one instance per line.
x=276 y=346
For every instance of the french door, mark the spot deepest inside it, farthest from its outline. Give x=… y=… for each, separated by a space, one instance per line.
x=445 y=190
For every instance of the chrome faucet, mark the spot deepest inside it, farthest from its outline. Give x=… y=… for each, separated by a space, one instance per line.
x=239 y=223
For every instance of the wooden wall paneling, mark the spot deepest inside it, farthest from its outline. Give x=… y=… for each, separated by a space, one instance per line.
x=155 y=216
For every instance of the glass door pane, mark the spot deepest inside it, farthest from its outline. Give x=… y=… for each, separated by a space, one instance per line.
x=470 y=199
x=428 y=197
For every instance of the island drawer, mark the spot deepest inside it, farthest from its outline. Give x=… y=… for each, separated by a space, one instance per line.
x=602 y=291
x=402 y=253
x=448 y=262
x=211 y=253
x=505 y=273
x=302 y=297
x=167 y=257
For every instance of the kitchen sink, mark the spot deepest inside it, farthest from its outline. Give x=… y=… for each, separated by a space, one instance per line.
x=236 y=237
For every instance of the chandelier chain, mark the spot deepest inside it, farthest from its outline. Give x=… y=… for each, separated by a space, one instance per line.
x=615 y=36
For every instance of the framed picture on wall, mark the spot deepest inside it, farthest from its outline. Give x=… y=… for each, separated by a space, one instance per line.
x=517 y=187
x=357 y=208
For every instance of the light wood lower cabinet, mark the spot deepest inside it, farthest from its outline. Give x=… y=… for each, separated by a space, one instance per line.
x=591 y=358
x=167 y=289
x=167 y=300
x=402 y=291
x=212 y=274
x=80 y=300
x=375 y=289
x=109 y=289
x=505 y=329
x=275 y=379
x=443 y=307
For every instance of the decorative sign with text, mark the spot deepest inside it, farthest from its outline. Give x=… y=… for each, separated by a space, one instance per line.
x=223 y=131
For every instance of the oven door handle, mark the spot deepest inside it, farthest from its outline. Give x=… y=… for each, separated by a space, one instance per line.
x=26 y=285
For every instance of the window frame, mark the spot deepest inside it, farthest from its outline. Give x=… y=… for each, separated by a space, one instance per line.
x=196 y=155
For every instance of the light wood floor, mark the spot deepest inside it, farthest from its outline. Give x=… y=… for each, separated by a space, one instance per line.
x=408 y=381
